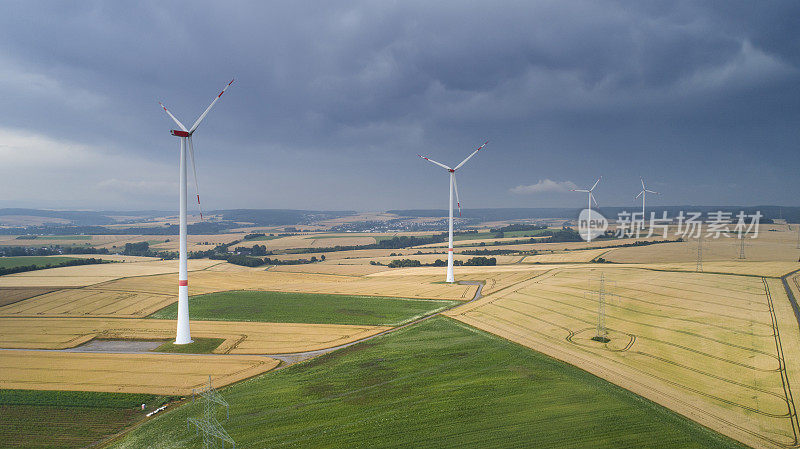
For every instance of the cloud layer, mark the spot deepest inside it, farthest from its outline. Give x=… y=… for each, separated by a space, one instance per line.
x=545 y=186
x=333 y=100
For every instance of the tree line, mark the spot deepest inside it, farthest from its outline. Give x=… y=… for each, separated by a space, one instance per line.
x=34 y=267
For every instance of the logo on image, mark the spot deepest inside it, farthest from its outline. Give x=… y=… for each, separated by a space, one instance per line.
x=591 y=224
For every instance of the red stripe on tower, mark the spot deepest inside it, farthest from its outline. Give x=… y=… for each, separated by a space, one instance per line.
x=183 y=283
x=450 y=250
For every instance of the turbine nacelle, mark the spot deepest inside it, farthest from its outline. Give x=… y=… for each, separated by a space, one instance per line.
x=178 y=133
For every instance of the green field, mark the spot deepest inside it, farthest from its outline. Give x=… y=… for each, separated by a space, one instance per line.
x=22 y=261
x=279 y=307
x=55 y=237
x=197 y=346
x=435 y=384
x=67 y=419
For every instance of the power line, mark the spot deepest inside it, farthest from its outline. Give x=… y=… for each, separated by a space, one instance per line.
x=699 y=267
x=208 y=426
x=741 y=247
x=603 y=296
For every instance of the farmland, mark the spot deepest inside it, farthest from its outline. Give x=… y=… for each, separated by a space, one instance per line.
x=163 y=374
x=13 y=262
x=240 y=337
x=67 y=419
x=305 y=308
x=439 y=384
x=701 y=344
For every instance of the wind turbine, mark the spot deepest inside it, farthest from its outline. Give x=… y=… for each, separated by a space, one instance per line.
x=183 y=336
x=643 y=194
x=453 y=186
x=591 y=198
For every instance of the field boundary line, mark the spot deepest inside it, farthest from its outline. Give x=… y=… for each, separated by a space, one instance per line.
x=787 y=389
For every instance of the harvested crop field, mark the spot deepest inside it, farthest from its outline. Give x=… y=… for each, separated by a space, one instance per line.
x=90 y=301
x=767 y=247
x=494 y=277
x=10 y=295
x=567 y=256
x=211 y=281
x=84 y=275
x=169 y=374
x=705 y=345
x=240 y=337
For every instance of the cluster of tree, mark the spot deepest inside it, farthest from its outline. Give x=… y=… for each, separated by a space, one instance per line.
x=313 y=259
x=565 y=234
x=519 y=227
x=255 y=250
x=247 y=261
x=143 y=249
x=66 y=263
x=496 y=252
x=56 y=250
x=404 y=263
x=480 y=261
x=254 y=236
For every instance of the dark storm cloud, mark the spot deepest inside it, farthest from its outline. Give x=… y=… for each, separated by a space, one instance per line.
x=333 y=100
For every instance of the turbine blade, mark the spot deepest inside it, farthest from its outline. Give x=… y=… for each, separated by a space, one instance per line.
x=640 y=193
x=434 y=162
x=203 y=115
x=458 y=202
x=651 y=191
x=579 y=190
x=592 y=197
x=595 y=183
x=196 y=183
x=470 y=156
x=643 y=187
x=172 y=117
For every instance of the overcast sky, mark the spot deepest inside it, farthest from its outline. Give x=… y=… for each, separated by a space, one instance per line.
x=333 y=101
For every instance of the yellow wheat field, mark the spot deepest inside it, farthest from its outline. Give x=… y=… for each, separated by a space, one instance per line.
x=83 y=275
x=240 y=337
x=167 y=374
x=137 y=297
x=331 y=268
x=769 y=246
x=567 y=256
x=701 y=344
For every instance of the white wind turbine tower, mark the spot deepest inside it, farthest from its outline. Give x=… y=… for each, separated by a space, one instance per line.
x=643 y=194
x=453 y=186
x=591 y=199
x=183 y=336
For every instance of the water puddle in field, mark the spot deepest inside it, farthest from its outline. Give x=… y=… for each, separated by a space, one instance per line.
x=119 y=346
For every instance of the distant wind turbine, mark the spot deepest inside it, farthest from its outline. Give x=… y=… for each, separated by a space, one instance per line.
x=591 y=199
x=643 y=194
x=453 y=186
x=183 y=336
